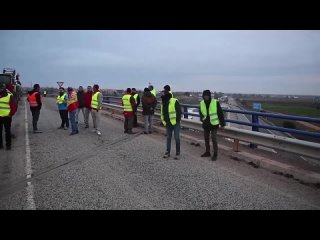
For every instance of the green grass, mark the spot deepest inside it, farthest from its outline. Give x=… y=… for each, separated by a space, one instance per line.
x=292 y=109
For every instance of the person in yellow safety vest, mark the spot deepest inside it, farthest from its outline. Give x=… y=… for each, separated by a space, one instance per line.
x=137 y=101
x=211 y=116
x=152 y=90
x=62 y=100
x=8 y=108
x=171 y=117
x=128 y=104
x=96 y=106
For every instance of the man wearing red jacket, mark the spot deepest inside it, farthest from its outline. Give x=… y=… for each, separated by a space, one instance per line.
x=8 y=108
x=129 y=104
x=87 y=105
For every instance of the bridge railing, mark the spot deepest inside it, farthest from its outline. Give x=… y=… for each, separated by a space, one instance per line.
x=255 y=137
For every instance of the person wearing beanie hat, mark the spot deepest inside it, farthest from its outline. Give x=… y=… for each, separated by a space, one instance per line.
x=211 y=116
x=171 y=117
x=167 y=88
x=149 y=103
x=128 y=104
x=35 y=101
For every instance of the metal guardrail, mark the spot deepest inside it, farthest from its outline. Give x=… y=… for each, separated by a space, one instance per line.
x=304 y=148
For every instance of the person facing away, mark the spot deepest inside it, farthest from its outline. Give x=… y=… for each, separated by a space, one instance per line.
x=80 y=96
x=137 y=101
x=171 y=117
x=128 y=103
x=72 y=105
x=149 y=103
x=96 y=106
x=87 y=105
x=8 y=108
x=35 y=101
x=152 y=90
x=211 y=116
x=62 y=99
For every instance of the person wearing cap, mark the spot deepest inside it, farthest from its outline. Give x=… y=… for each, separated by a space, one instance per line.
x=128 y=103
x=62 y=100
x=171 y=117
x=72 y=105
x=8 y=108
x=137 y=101
x=80 y=96
x=35 y=101
x=87 y=105
x=152 y=90
x=149 y=103
x=211 y=116
x=96 y=106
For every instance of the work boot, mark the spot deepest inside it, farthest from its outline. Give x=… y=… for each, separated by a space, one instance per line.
x=214 y=157
x=98 y=132
x=206 y=154
x=8 y=148
x=166 y=155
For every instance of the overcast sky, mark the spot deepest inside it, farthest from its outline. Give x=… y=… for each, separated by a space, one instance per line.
x=279 y=62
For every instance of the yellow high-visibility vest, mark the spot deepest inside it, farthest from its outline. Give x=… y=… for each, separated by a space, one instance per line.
x=95 y=101
x=214 y=119
x=154 y=92
x=126 y=103
x=61 y=99
x=171 y=111
x=72 y=99
x=135 y=97
x=5 y=106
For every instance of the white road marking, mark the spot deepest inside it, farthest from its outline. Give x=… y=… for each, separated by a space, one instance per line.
x=30 y=189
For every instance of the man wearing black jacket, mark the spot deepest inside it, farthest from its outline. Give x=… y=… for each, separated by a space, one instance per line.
x=171 y=117
x=211 y=116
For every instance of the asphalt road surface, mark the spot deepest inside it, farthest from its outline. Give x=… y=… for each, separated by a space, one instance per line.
x=53 y=170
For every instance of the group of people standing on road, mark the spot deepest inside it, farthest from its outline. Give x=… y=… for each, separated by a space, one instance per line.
x=70 y=103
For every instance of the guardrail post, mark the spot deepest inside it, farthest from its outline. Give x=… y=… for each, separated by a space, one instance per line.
x=185 y=109
x=236 y=145
x=107 y=99
x=255 y=119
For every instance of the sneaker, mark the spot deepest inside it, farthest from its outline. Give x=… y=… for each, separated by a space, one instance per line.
x=145 y=133
x=65 y=128
x=37 y=131
x=8 y=148
x=60 y=127
x=125 y=131
x=77 y=131
x=166 y=155
x=98 y=132
x=206 y=154
x=87 y=126
x=177 y=157
x=73 y=133
x=130 y=132
x=94 y=130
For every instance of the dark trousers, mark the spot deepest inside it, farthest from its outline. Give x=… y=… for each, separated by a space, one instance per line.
x=128 y=123
x=214 y=139
x=64 y=118
x=6 y=122
x=35 y=118
x=176 y=130
x=135 y=119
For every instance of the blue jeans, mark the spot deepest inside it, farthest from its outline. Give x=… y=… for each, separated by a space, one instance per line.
x=72 y=117
x=176 y=130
